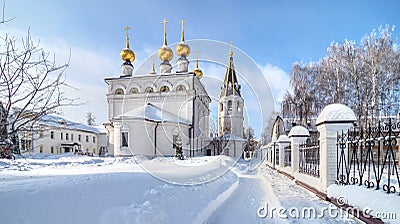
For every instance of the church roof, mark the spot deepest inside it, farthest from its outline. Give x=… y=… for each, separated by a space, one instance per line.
x=231 y=84
x=152 y=113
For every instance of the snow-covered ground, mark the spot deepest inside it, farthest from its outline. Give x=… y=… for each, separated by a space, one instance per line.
x=78 y=189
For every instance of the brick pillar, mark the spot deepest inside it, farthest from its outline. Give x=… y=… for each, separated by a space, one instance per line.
x=333 y=119
x=283 y=141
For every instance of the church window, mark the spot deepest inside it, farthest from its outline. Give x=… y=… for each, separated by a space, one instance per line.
x=134 y=90
x=124 y=139
x=119 y=91
x=61 y=136
x=66 y=136
x=239 y=109
x=52 y=134
x=87 y=138
x=52 y=149
x=181 y=88
x=229 y=106
x=221 y=107
x=149 y=90
x=164 y=89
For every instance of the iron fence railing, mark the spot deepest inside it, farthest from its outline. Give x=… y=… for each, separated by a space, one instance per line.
x=309 y=158
x=369 y=157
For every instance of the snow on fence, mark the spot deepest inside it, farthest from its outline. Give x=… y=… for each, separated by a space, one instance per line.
x=369 y=157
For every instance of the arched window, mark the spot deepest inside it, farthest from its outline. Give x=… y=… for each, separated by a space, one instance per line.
x=230 y=105
x=119 y=91
x=134 y=90
x=164 y=89
x=149 y=90
x=221 y=107
x=181 y=88
x=239 y=109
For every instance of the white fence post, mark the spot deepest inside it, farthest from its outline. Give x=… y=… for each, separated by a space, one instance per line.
x=297 y=136
x=283 y=141
x=333 y=119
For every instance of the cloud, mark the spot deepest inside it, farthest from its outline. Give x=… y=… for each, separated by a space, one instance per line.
x=278 y=80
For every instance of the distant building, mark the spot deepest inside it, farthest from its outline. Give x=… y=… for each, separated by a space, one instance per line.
x=53 y=134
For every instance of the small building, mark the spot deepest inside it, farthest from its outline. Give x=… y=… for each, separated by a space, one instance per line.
x=53 y=134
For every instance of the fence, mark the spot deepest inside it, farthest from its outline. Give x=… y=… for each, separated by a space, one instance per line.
x=309 y=158
x=368 y=157
x=288 y=159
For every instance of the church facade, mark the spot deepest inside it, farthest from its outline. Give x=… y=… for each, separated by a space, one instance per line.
x=153 y=114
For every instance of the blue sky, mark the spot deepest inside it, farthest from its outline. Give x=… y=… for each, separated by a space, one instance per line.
x=275 y=34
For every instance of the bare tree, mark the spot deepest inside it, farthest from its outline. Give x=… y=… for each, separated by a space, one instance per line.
x=365 y=77
x=31 y=83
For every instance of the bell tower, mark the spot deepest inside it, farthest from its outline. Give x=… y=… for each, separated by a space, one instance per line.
x=230 y=104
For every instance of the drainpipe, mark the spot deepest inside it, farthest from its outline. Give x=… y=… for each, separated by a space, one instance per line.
x=155 y=139
x=191 y=133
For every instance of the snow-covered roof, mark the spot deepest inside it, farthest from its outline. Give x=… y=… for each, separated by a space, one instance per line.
x=336 y=112
x=59 y=122
x=101 y=129
x=283 y=138
x=299 y=131
x=149 y=112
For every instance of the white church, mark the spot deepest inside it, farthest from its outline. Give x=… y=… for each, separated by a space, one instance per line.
x=151 y=114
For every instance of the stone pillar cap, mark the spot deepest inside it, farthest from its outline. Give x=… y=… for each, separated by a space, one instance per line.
x=299 y=131
x=336 y=113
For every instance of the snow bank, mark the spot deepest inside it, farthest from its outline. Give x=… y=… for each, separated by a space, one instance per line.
x=377 y=202
x=81 y=189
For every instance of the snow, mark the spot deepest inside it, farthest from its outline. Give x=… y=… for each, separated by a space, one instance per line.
x=56 y=121
x=79 y=189
x=299 y=131
x=336 y=112
x=377 y=202
x=283 y=138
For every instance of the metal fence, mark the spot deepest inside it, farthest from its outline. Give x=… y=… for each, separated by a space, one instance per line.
x=288 y=158
x=309 y=158
x=369 y=157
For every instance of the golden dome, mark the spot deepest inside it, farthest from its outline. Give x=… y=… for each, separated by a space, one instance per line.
x=182 y=49
x=198 y=73
x=127 y=55
x=165 y=53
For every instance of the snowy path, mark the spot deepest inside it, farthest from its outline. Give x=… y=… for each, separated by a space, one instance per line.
x=267 y=189
x=243 y=204
x=292 y=196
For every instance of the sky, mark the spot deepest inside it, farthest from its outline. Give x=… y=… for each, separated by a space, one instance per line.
x=274 y=34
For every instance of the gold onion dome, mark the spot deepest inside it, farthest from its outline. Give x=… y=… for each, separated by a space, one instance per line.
x=165 y=53
x=127 y=54
x=182 y=49
x=197 y=71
